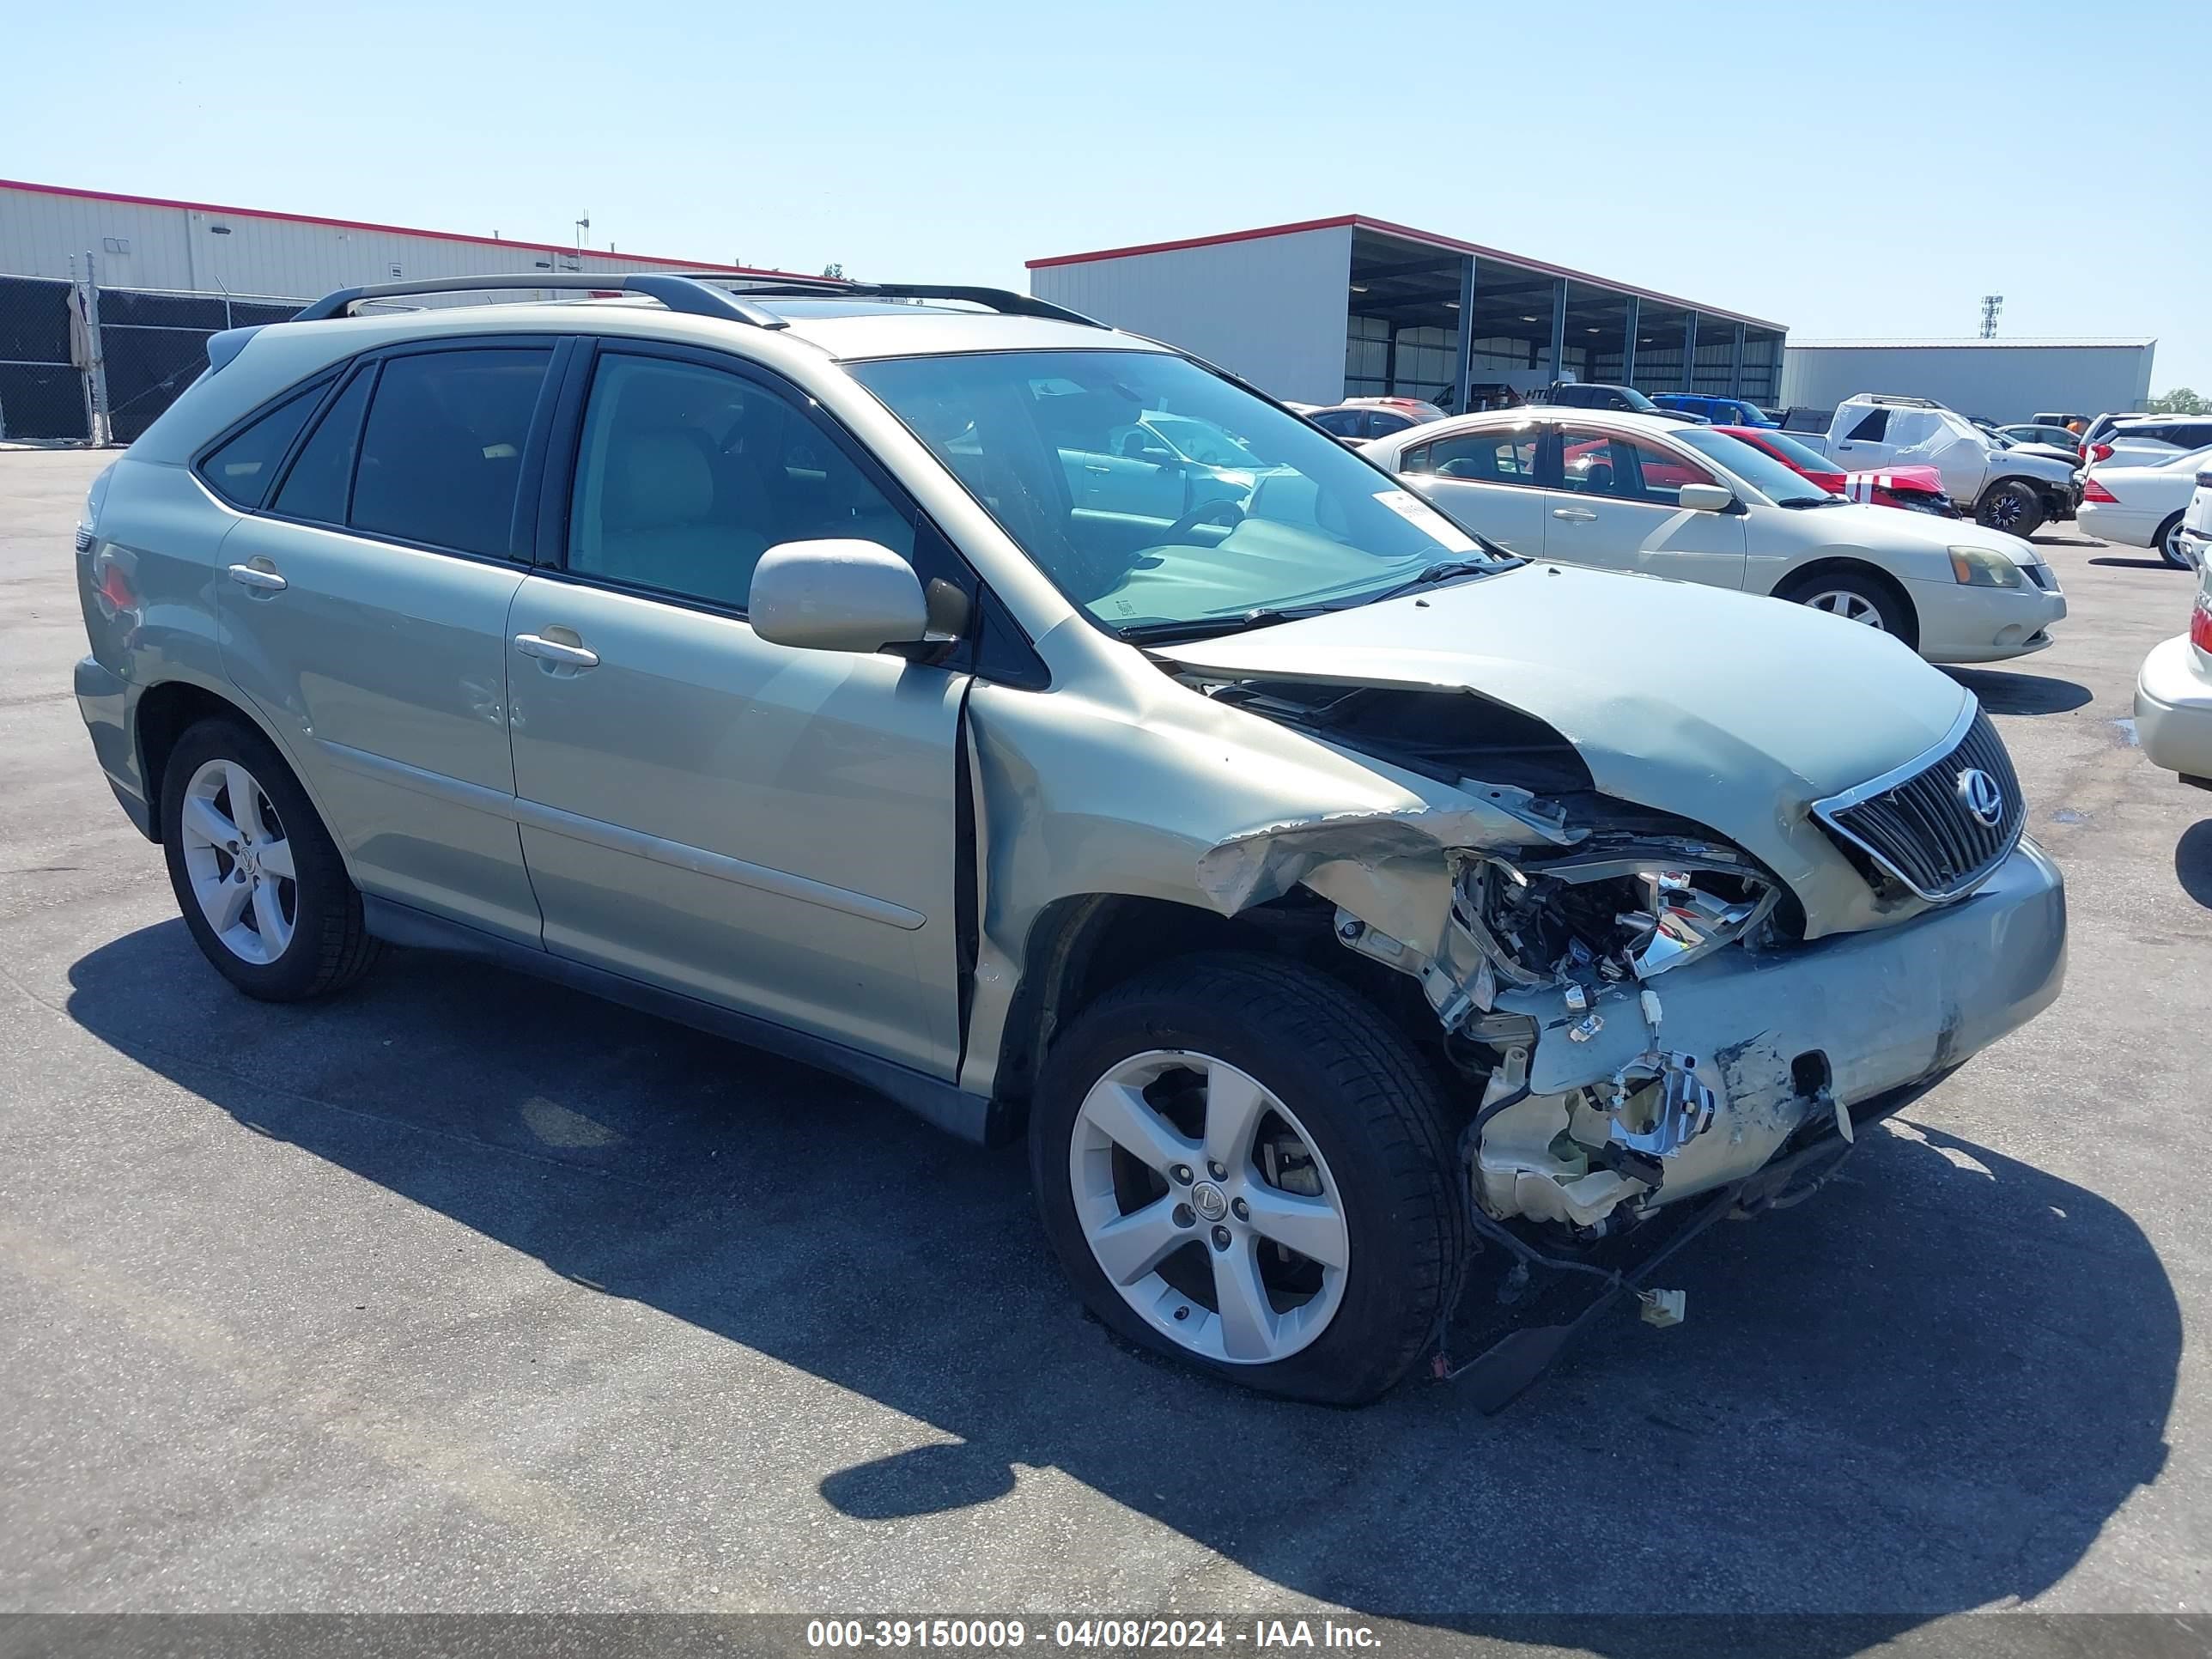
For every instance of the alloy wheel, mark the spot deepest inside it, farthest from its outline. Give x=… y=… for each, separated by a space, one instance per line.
x=238 y=862
x=1208 y=1207
x=1851 y=607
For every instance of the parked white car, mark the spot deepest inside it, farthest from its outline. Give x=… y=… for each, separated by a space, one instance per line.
x=1626 y=492
x=2144 y=503
x=2174 y=692
x=2147 y=439
x=2005 y=489
x=2196 y=534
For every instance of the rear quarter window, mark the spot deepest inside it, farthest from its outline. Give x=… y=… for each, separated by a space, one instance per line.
x=241 y=468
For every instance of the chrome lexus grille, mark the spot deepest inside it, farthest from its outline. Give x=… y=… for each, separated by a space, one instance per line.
x=1941 y=824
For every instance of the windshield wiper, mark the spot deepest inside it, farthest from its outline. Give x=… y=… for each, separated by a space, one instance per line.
x=1444 y=570
x=1796 y=502
x=1206 y=627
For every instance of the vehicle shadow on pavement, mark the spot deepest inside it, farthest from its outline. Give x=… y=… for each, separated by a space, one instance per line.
x=2005 y=693
x=2193 y=861
x=1924 y=1391
x=2136 y=564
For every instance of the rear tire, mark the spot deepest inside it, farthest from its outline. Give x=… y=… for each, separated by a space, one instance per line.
x=1854 y=598
x=2011 y=507
x=2171 y=547
x=1346 y=1123
x=260 y=882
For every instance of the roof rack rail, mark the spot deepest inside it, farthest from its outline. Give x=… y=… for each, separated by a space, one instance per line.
x=1897 y=401
x=678 y=293
x=1002 y=299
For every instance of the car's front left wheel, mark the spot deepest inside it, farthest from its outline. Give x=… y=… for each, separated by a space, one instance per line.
x=261 y=885
x=1243 y=1164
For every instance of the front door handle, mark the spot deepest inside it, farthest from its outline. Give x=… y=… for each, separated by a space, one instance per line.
x=545 y=650
x=1574 y=514
x=1097 y=466
x=262 y=577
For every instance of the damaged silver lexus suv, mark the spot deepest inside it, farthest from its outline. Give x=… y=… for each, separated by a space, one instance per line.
x=1048 y=731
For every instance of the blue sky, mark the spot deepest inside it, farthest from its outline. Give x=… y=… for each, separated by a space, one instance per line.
x=1849 y=170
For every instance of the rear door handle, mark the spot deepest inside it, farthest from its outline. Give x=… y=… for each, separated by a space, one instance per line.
x=545 y=650
x=258 y=577
x=1097 y=466
x=1574 y=514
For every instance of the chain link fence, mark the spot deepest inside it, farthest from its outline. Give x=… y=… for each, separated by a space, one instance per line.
x=82 y=364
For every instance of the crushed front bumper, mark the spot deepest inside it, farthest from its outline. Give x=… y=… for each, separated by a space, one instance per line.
x=1837 y=1022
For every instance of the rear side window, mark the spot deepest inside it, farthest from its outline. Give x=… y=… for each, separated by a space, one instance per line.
x=441 y=454
x=1344 y=422
x=317 y=486
x=1506 y=458
x=1872 y=426
x=240 y=470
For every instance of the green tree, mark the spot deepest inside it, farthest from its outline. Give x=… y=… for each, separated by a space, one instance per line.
x=2179 y=401
x=839 y=271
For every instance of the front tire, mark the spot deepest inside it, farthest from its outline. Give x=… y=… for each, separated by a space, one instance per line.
x=1241 y=1164
x=2011 y=507
x=260 y=882
x=1854 y=598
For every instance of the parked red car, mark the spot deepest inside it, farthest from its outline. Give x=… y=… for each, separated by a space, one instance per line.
x=1916 y=488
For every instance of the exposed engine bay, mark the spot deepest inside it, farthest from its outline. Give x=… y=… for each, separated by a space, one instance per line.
x=1564 y=942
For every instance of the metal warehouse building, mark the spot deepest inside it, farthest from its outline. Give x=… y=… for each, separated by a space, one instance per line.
x=1355 y=306
x=97 y=354
x=149 y=242
x=1989 y=379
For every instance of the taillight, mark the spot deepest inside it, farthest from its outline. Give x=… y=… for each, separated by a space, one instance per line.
x=2094 y=491
x=112 y=586
x=2098 y=452
x=2200 y=624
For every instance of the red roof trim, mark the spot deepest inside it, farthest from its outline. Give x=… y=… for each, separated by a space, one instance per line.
x=1196 y=241
x=1429 y=238
x=393 y=230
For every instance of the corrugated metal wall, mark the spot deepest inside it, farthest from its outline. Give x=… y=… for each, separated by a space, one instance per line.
x=1270 y=308
x=1997 y=382
x=206 y=251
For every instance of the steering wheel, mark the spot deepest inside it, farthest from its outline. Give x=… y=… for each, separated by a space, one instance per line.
x=1219 y=511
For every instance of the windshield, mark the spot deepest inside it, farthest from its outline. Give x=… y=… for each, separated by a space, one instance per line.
x=1754 y=466
x=1635 y=399
x=1145 y=541
x=1804 y=457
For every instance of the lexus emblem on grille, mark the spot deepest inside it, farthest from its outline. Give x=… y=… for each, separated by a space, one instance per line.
x=1979 y=793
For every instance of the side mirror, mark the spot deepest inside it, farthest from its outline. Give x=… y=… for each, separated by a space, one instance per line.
x=1158 y=456
x=837 y=596
x=1705 y=498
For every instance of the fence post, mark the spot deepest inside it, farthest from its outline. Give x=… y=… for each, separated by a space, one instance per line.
x=103 y=428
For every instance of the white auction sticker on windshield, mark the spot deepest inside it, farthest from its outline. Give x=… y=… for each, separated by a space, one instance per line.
x=1423 y=517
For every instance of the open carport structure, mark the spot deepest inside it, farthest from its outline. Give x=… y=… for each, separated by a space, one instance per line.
x=1356 y=307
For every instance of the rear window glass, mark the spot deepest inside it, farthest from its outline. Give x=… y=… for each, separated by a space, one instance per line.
x=241 y=470
x=317 y=485
x=442 y=455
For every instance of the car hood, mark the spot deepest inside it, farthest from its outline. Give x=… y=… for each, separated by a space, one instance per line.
x=1864 y=523
x=1733 y=711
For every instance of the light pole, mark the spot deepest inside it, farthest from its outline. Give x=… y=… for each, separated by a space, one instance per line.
x=583 y=226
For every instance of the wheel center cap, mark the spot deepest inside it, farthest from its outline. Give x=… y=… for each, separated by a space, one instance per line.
x=1209 y=1200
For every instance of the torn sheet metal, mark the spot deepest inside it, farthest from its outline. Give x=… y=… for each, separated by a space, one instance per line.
x=1266 y=863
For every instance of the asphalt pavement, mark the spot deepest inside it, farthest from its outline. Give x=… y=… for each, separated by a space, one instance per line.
x=467 y=1293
